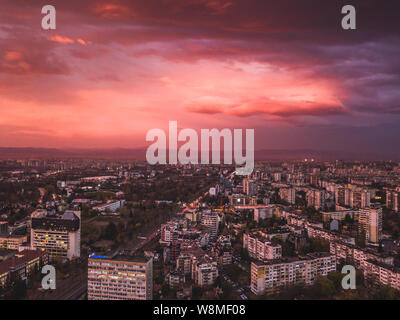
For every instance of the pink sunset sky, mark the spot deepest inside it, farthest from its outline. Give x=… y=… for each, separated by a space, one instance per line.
x=112 y=70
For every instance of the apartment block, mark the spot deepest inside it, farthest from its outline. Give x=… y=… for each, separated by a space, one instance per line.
x=379 y=273
x=57 y=234
x=21 y=266
x=260 y=247
x=167 y=232
x=338 y=215
x=353 y=196
x=370 y=221
x=204 y=271
x=190 y=251
x=270 y=277
x=342 y=196
x=360 y=198
x=316 y=232
x=12 y=242
x=315 y=198
x=288 y=195
x=120 y=278
x=211 y=221
x=110 y=206
x=393 y=200
x=351 y=254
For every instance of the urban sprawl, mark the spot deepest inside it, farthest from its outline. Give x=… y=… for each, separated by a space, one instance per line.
x=127 y=230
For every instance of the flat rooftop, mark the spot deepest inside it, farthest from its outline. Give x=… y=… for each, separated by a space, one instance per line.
x=120 y=257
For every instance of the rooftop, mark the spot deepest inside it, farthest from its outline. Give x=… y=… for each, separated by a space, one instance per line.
x=121 y=257
x=19 y=259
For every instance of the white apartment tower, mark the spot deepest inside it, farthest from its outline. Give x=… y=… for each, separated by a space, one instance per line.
x=120 y=278
x=57 y=234
x=370 y=221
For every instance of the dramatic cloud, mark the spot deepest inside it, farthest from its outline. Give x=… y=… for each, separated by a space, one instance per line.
x=114 y=69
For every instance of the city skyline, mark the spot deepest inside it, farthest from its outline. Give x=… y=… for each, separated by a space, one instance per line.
x=113 y=70
x=207 y=156
x=127 y=230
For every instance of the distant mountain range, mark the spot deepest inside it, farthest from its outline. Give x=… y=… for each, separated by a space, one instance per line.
x=140 y=154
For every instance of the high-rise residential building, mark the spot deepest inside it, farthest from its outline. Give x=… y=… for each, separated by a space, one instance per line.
x=120 y=278
x=393 y=200
x=211 y=220
x=260 y=247
x=316 y=198
x=269 y=277
x=370 y=221
x=288 y=195
x=277 y=176
x=57 y=234
x=314 y=180
x=249 y=187
x=360 y=198
x=342 y=196
x=353 y=196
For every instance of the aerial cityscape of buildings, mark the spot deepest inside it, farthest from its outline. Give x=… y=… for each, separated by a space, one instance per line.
x=168 y=152
x=121 y=230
